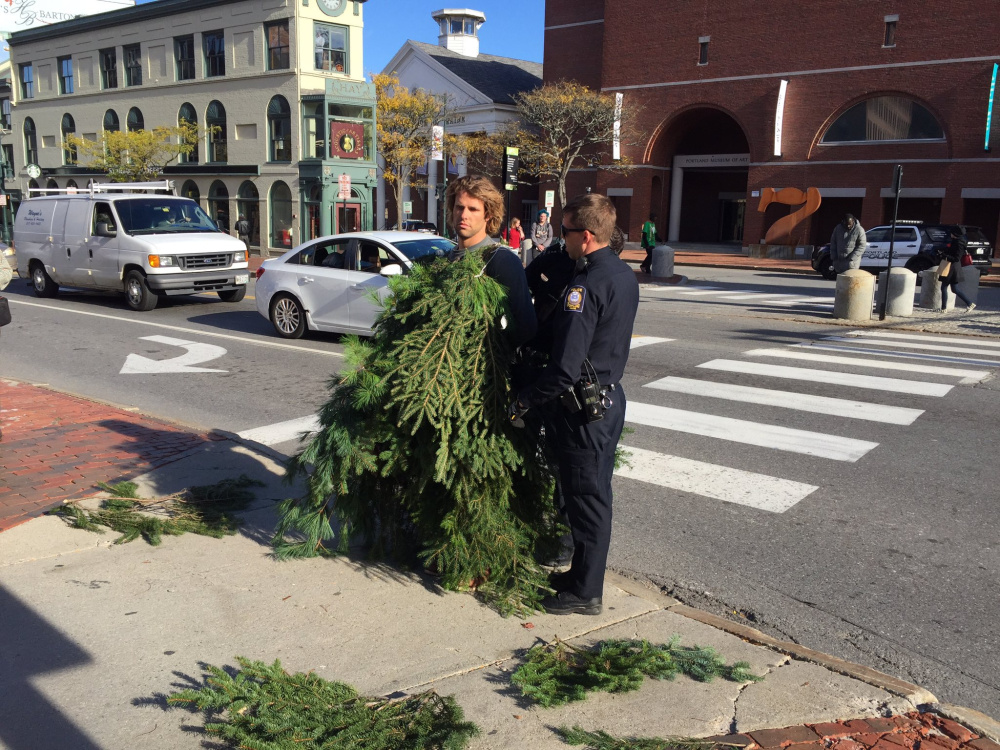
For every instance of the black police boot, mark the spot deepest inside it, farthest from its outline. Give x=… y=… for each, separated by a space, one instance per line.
x=567 y=603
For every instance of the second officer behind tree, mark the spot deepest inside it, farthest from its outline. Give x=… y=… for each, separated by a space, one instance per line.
x=581 y=389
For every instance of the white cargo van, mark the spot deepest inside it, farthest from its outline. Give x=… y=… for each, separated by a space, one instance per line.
x=145 y=245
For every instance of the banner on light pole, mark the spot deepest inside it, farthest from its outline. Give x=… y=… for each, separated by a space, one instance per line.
x=437 y=142
x=616 y=141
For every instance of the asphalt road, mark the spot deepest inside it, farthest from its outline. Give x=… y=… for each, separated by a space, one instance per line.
x=883 y=549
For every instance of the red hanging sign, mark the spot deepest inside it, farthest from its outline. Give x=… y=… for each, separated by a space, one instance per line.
x=347 y=140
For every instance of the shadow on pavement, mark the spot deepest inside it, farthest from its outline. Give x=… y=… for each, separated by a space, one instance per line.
x=32 y=648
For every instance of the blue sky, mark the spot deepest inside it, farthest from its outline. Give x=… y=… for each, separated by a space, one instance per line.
x=513 y=28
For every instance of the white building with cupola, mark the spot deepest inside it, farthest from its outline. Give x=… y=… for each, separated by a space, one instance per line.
x=480 y=89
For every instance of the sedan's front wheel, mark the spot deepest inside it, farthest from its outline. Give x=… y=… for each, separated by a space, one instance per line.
x=288 y=317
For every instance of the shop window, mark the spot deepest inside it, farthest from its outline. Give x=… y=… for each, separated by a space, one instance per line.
x=109 y=68
x=184 y=57
x=68 y=128
x=190 y=190
x=889 y=40
x=331 y=48
x=884 y=118
x=27 y=73
x=30 y=141
x=281 y=215
x=277 y=45
x=214 y=43
x=218 y=139
x=218 y=204
x=135 y=121
x=133 y=64
x=65 y=75
x=187 y=115
x=279 y=129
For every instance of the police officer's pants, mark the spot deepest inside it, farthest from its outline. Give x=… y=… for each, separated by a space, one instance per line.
x=586 y=454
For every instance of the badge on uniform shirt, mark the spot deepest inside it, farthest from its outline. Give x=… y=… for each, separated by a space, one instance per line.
x=575 y=298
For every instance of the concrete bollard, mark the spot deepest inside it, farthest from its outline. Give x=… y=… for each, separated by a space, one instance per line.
x=930 y=291
x=855 y=295
x=902 y=288
x=663 y=262
x=968 y=282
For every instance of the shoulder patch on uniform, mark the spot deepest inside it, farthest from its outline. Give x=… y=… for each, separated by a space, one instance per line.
x=575 y=298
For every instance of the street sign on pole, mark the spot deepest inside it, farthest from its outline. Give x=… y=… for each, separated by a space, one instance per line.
x=345 y=186
x=407 y=207
x=897 y=186
x=550 y=199
x=510 y=167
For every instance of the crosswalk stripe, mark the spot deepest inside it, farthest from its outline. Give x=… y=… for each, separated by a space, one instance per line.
x=755 y=295
x=879 y=364
x=901 y=355
x=914 y=345
x=749 y=433
x=638 y=341
x=281 y=432
x=873 y=382
x=707 y=292
x=823 y=301
x=920 y=337
x=717 y=482
x=837 y=407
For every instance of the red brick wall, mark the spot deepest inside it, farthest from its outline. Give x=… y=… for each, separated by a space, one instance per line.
x=773 y=40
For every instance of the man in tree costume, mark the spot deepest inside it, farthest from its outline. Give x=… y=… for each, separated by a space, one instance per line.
x=416 y=456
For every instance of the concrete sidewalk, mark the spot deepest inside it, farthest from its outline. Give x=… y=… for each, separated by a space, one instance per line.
x=94 y=634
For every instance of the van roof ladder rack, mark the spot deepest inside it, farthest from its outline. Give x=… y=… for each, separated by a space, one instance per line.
x=105 y=187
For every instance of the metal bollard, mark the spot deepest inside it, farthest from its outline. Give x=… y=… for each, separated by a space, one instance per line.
x=930 y=291
x=902 y=288
x=855 y=295
x=663 y=262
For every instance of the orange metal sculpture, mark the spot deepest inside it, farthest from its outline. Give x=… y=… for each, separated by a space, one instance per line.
x=782 y=228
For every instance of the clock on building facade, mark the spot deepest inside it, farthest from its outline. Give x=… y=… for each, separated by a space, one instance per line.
x=333 y=7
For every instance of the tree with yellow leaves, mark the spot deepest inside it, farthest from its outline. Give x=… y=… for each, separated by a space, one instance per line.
x=134 y=155
x=404 y=120
x=570 y=126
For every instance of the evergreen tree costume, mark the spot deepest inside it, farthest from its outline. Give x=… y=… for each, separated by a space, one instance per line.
x=416 y=454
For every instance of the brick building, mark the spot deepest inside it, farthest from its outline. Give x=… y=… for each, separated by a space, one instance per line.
x=866 y=86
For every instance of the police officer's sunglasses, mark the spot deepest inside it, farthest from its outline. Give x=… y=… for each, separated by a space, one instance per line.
x=566 y=230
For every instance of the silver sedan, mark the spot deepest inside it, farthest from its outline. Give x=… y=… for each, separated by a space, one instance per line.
x=325 y=284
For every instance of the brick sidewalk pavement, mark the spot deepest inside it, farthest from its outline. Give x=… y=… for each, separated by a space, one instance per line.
x=915 y=731
x=57 y=447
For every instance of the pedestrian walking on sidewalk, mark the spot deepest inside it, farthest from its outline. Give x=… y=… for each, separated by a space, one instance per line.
x=243 y=230
x=648 y=242
x=958 y=248
x=847 y=244
x=580 y=391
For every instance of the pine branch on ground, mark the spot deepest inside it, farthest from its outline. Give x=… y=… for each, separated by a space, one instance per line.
x=415 y=456
x=206 y=510
x=603 y=741
x=264 y=707
x=557 y=673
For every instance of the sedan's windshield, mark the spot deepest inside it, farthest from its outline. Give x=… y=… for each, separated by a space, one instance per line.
x=425 y=249
x=163 y=215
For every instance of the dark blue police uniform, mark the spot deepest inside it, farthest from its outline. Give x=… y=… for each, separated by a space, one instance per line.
x=594 y=322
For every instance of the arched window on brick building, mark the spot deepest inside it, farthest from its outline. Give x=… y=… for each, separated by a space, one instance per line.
x=884 y=118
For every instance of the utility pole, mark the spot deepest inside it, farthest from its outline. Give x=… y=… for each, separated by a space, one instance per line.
x=5 y=208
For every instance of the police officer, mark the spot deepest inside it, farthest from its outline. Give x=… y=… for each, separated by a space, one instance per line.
x=581 y=390
x=475 y=210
